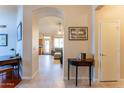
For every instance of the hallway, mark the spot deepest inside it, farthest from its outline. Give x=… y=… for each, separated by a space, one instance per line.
x=50 y=75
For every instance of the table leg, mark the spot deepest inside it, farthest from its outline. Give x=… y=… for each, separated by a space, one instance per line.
x=76 y=75
x=18 y=71
x=90 y=75
x=68 y=71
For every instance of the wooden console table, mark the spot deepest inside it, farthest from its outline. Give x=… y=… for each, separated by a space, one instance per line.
x=79 y=62
x=8 y=60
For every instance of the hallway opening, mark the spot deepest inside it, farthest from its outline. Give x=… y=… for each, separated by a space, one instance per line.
x=49 y=25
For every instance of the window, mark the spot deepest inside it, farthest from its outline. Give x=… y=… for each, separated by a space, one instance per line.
x=46 y=44
x=58 y=42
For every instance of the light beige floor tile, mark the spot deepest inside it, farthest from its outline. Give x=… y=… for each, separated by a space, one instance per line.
x=51 y=76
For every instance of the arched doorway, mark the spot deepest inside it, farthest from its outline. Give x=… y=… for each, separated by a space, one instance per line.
x=38 y=16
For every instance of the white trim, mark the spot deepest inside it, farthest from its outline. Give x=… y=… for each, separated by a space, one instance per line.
x=66 y=78
x=81 y=78
x=30 y=77
x=96 y=80
x=100 y=47
x=26 y=77
x=119 y=50
x=121 y=80
x=35 y=73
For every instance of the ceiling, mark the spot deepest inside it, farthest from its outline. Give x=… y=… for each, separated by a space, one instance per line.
x=49 y=24
x=2 y=7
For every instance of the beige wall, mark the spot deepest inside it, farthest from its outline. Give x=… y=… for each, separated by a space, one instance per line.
x=79 y=16
x=111 y=13
x=27 y=43
x=35 y=45
x=73 y=16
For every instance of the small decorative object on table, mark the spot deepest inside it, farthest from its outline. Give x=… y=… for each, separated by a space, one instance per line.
x=12 y=49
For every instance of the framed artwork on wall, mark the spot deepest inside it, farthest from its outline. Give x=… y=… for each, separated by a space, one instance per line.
x=78 y=33
x=3 y=39
x=19 y=32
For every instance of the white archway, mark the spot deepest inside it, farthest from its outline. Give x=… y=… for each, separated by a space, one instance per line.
x=48 y=11
x=37 y=15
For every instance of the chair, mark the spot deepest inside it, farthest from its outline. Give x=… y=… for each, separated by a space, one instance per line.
x=5 y=69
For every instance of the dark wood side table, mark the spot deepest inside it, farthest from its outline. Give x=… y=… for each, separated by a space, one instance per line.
x=8 y=60
x=78 y=62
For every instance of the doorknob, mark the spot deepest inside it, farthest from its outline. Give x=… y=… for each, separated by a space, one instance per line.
x=102 y=55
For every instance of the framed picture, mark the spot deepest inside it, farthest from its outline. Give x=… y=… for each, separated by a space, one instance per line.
x=19 y=31
x=3 y=39
x=78 y=33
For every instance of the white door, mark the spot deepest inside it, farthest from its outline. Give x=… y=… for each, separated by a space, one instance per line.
x=109 y=51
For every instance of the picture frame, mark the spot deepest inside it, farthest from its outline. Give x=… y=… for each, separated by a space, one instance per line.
x=3 y=40
x=78 y=33
x=19 y=32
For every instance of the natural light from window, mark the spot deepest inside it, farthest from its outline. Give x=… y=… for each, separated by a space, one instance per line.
x=58 y=42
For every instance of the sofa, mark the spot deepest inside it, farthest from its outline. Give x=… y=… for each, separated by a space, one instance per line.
x=58 y=54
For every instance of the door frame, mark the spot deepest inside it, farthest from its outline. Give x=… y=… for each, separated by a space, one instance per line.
x=100 y=47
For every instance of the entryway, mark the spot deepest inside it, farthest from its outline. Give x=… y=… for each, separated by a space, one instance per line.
x=109 y=50
x=46 y=44
x=48 y=22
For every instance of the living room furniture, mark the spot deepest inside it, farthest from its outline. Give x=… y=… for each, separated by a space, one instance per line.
x=11 y=61
x=57 y=53
x=89 y=62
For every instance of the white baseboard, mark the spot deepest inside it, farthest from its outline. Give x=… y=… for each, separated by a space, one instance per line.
x=121 y=79
x=66 y=78
x=30 y=77
x=81 y=78
x=95 y=80
x=35 y=74
x=23 y=78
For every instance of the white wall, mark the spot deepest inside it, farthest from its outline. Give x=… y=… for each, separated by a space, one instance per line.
x=8 y=17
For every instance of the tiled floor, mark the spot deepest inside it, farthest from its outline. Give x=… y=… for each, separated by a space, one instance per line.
x=50 y=76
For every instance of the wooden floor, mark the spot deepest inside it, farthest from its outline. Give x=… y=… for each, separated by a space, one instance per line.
x=7 y=82
x=50 y=75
